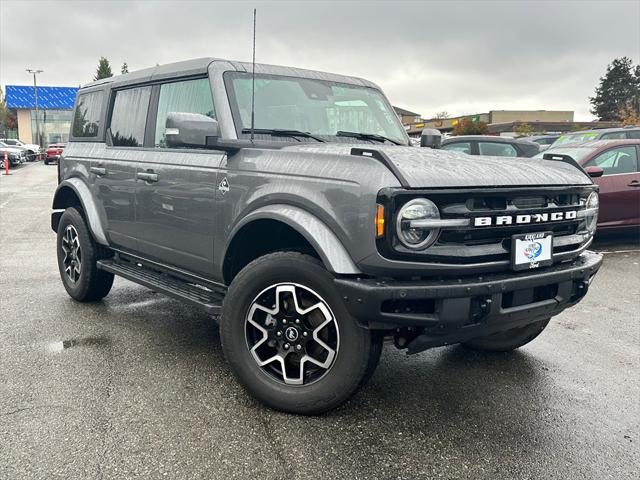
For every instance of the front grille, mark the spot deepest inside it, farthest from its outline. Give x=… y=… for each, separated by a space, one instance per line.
x=474 y=245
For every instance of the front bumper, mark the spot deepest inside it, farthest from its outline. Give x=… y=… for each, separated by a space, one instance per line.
x=454 y=310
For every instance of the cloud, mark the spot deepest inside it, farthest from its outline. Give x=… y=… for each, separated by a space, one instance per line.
x=459 y=56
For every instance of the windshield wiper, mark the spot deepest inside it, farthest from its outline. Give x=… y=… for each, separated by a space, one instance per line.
x=366 y=136
x=283 y=132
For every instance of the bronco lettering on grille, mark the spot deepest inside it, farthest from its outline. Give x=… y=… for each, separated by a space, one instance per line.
x=524 y=219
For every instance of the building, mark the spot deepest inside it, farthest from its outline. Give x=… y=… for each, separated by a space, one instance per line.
x=407 y=117
x=55 y=105
x=538 y=117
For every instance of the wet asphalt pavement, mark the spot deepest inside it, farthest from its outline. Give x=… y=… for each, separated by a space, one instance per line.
x=137 y=386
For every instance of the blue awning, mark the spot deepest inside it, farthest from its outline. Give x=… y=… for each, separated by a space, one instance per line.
x=49 y=98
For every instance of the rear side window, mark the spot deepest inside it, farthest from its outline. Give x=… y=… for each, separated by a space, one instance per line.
x=86 y=119
x=464 y=147
x=129 y=116
x=495 y=149
x=191 y=96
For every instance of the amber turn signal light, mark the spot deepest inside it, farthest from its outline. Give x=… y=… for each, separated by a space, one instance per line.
x=380 y=221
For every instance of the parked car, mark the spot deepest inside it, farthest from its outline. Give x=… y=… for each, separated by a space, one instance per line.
x=317 y=233
x=615 y=164
x=632 y=133
x=545 y=141
x=491 y=146
x=16 y=156
x=53 y=152
x=31 y=148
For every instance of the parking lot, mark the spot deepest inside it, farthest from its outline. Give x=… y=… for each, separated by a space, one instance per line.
x=136 y=386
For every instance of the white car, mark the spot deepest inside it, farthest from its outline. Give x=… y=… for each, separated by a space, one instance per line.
x=30 y=148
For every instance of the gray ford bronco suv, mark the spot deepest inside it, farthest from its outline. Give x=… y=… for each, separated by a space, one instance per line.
x=290 y=205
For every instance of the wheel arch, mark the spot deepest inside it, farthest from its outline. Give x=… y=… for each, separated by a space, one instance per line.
x=294 y=228
x=74 y=192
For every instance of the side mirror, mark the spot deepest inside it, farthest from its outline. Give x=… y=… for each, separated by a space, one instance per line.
x=594 y=172
x=190 y=130
x=431 y=138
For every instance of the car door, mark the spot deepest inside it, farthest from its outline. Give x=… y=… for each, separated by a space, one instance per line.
x=175 y=189
x=619 y=186
x=114 y=170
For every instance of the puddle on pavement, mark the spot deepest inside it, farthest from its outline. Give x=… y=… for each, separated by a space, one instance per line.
x=57 y=347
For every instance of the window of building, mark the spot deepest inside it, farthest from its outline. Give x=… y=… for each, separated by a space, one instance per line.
x=191 y=96
x=129 y=116
x=53 y=125
x=87 y=116
x=464 y=147
x=617 y=161
x=496 y=149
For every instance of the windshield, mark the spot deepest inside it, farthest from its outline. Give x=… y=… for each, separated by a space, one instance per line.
x=575 y=138
x=577 y=153
x=318 y=107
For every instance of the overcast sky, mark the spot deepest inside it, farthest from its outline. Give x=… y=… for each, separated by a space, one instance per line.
x=459 y=56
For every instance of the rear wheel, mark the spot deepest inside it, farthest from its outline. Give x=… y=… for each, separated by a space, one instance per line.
x=77 y=257
x=509 y=340
x=289 y=339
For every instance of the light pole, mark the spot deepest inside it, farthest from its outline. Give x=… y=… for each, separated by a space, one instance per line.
x=35 y=93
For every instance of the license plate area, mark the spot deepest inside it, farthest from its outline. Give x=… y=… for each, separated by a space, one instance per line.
x=531 y=250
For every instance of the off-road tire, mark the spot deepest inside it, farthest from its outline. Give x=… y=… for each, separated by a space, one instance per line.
x=92 y=284
x=355 y=359
x=509 y=340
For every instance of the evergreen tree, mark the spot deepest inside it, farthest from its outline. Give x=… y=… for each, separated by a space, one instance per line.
x=618 y=92
x=125 y=68
x=104 y=69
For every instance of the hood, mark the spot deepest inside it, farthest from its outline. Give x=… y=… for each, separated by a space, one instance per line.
x=426 y=167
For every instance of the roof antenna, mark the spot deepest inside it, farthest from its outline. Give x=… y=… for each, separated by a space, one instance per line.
x=253 y=78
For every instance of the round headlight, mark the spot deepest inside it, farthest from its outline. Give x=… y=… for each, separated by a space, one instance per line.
x=591 y=212
x=412 y=224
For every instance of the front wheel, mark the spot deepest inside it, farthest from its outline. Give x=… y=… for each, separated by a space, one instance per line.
x=509 y=340
x=289 y=339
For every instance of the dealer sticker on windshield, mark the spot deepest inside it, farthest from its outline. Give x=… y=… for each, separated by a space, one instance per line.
x=531 y=250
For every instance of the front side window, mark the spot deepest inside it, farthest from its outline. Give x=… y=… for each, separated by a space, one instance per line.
x=191 y=96
x=616 y=161
x=495 y=149
x=317 y=107
x=86 y=118
x=130 y=116
x=614 y=136
x=464 y=147
x=634 y=134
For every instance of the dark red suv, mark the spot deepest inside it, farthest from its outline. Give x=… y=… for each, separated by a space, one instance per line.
x=53 y=152
x=615 y=166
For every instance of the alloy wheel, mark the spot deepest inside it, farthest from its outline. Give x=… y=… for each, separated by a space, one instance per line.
x=292 y=334
x=72 y=260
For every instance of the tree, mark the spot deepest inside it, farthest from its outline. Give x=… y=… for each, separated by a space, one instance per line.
x=442 y=115
x=466 y=126
x=125 y=68
x=523 y=129
x=7 y=117
x=630 y=116
x=104 y=69
x=619 y=90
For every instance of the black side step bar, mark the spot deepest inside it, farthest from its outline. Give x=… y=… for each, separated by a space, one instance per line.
x=165 y=283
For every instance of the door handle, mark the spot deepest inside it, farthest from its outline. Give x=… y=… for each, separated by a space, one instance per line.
x=634 y=183
x=147 y=176
x=99 y=171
